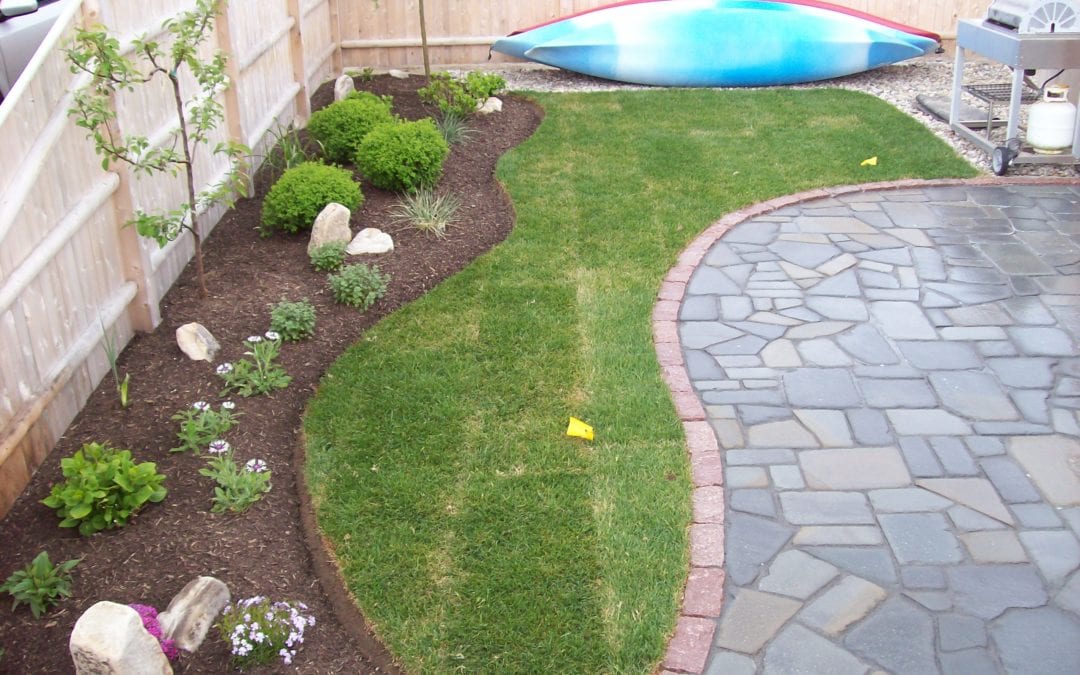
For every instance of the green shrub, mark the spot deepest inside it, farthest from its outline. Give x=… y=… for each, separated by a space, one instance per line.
x=403 y=157
x=328 y=257
x=449 y=94
x=293 y=321
x=484 y=85
x=40 y=584
x=358 y=285
x=104 y=488
x=302 y=192
x=340 y=126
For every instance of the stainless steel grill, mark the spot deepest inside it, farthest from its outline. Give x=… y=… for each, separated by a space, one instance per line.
x=1025 y=35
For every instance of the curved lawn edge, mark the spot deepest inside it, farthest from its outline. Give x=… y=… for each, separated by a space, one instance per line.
x=703 y=595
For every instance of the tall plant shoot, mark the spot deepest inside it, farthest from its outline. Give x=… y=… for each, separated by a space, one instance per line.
x=96 y=52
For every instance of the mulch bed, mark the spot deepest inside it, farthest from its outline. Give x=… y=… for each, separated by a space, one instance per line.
x=273 y=549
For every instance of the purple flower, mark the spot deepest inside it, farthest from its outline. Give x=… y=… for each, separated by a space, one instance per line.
x=256 y=466
x=219 y=446
x=201 y=406
x=224 y=369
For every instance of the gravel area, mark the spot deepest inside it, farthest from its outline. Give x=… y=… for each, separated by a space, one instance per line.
x=898 y=84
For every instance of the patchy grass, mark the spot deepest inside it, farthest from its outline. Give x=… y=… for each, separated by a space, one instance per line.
x=474 y=534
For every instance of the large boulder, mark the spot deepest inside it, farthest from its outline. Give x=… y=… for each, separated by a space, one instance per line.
x=332 y=225
x=197 y=342
x=192 y=611
x=343 y=86
x=370 y=240
x=109 y=639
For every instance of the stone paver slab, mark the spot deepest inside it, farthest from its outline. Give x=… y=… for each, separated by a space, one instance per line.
x=1053 y=463
x=752 y=618
x=898 y=636
x=854 y=469
x=797 y=575
x=842 y=605
x=976 y=493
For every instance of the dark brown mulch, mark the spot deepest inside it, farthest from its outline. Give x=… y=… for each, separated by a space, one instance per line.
x=272 y=549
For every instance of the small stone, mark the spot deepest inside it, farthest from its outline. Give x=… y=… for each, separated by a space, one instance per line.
x=192 y=611
x=197 y=342
x=109 y=638
x=371 y=240
x=343 y=86
x=331 y=227
x=492 y=105
x=398 y=74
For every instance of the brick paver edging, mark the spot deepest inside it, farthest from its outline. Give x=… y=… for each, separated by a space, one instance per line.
x=688 y=649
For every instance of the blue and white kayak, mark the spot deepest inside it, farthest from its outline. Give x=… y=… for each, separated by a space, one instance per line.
x=718 y=43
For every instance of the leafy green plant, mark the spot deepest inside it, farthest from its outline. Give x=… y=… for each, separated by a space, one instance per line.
x=197 y=117
x=104 y=488
x=111 y=353
x=341 y=125
x=454 y=128
x=260 y=630
x=449 y=94
x=201 y=424
x=358 y=285
x=302 y=192
x=403 y=157
x=293 y=321
x=328 y=257
x=289 y=150
x=427 y=211
x=237 y=489
x=484 y=85
x=259 y=374
x=367 y=74
x=40 y=584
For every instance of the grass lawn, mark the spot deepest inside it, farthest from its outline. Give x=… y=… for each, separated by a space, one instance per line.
x=474 y=534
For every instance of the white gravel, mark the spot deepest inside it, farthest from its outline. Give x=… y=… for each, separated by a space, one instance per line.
x=898 y=84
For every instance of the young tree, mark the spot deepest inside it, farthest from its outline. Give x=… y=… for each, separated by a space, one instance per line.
x=95 y=52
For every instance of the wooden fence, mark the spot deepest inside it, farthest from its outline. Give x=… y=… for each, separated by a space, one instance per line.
x=70 y=273
x=386 y=33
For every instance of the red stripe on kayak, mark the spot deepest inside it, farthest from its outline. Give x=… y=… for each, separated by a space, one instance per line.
x=819 y=4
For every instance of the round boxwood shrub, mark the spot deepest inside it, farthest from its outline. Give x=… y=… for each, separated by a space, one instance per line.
x=302 y=192
x=340 y=126
x=404 y=156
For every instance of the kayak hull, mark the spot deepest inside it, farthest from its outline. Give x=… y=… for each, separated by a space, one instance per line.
x=718 y=43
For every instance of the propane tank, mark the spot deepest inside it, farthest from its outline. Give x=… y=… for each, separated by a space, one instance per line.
x=1052 y=122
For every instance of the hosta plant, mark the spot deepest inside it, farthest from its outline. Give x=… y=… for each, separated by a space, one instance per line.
x=41 y=584
x=104 y=488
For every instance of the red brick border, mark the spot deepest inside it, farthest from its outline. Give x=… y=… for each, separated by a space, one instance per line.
x=688 y=649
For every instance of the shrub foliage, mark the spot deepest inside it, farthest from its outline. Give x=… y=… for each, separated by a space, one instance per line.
x=403 y=157
x=302 y=192
x=358 y=285
x=340 y=126
x=293 y=321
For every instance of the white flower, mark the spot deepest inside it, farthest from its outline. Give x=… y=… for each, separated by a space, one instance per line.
x=286 y=656
x=254 y=339
x=256 y=466
x=201 y=406
x=224 y=369
x=228 y=405
x=219 y=446
x=272 y=336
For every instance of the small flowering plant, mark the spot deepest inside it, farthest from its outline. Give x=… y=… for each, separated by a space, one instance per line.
x=237 y=488
x=259 y=630
x=201 y=424
x=259 y=374
x=150 y=622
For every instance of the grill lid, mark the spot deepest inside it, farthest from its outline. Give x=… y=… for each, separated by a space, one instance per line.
x=1036 y=16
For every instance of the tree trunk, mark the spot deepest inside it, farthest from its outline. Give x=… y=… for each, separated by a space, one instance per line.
x=423 y=43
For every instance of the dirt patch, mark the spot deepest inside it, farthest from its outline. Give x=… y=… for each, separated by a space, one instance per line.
x=273 y=549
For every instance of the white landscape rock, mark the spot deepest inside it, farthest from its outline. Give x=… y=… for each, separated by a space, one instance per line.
x=371 y=240
x=343 y=86
x=492 y=105
x=332 y=225
x=197 y=342
x=109 y=639
x=398 y=74
x=193 y=610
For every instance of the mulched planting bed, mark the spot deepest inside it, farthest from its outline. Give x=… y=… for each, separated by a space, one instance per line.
x=272 y=549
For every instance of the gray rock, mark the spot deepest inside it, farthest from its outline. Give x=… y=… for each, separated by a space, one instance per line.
x=343 y=86
x=490 y=106
x=197 y=342
x=797 y=575
x=920 y=538
x=1038 y=641
x=821 y=388
x=986 y=591
x=798 y=650
x=331 y=227
x=109 y=639
x=874 y=564
x=967 y=662
x=398 y=74
x=956 y=632
x=1055 y=552
x=192 y=611
x=898 y=637
x=751 y=542
x=370 y=240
